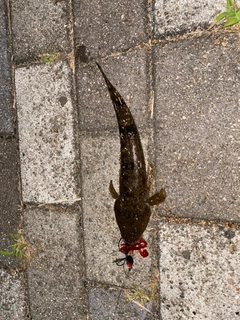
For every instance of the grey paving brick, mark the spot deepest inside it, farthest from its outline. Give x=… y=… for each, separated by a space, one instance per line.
x=199 y=268
x=100 y=164
x=6 y=114
x=46 y=140
x=112 y=304
x=173 y=16
x=198 y=125
x=105 y=27
x=39 y=27
x=55 y=271
x=129 y=73
x=9 y=197
x=12 y=296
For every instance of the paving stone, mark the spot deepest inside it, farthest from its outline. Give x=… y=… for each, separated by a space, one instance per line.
x=46 y=139
x=106 y=27
x=39 y=27
x=198 y=125
x=6 y=114
x=112 y=304
x=171 y=16
x=12 y=296
x=100 y=164
x=129 y=73
x=55 y=271
x=9 y=197
x=199 y=267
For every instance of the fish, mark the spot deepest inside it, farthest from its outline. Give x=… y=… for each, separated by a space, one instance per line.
x=132 y=203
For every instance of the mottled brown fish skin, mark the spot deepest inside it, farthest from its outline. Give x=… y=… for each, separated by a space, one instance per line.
x=131 y=207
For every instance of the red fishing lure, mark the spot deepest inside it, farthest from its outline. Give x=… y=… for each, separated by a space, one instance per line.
x=132 y=205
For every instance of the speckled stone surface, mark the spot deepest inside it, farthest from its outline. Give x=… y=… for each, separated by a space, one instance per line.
x=113 y=304
x=55 y=272
x=39 y=27
x=129 y=74
x=12 y=295
x=198 y=124
x=10 y=215
x=184 y=95
x=6 y=101
x=200 y=274
x=106 y=27
x=171 y=17
x=46 y=139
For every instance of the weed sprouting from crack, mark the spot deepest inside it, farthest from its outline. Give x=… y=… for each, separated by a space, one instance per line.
x=21 y=248
x=230 y=16
x=17 y=249
x=48 y=58
x=140 y=296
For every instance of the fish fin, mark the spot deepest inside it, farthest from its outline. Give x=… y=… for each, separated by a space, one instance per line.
x=112 y=190
x=157 y=198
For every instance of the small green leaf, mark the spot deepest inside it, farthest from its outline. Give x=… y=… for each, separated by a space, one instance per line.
x=19 y=251
x=14 y=248
x=231 y=14
x=14 y=235
x=47 y=58
x=5 y=253
x=221 y=16
x=229 y=5
x=231 y=22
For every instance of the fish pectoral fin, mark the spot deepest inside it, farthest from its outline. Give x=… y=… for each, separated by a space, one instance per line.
x=157 y=198
x=112 y=190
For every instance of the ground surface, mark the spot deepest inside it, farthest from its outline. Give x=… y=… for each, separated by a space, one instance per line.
x=59 y=148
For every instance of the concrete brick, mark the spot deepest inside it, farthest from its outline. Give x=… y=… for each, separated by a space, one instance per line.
x=39 y=27
x=112 y=304
x=6 y=111
x=173 y=16
x=197 y=126
x=12 y=296
x=199 y=267
x=107 y=27
x=46 y=139
x=10 y=217
x=55 y=272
